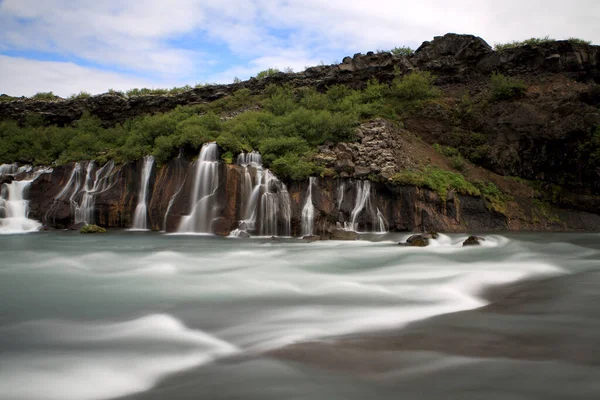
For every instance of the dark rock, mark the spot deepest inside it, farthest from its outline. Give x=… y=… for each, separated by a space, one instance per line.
x=473 y=241
x=340 y=234
x=6 y=179
x=419 y=240
x=221 y=226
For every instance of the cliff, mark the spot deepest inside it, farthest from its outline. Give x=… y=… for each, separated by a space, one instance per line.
x=540 y=148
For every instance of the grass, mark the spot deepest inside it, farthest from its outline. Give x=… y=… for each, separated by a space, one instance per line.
x=44 y=96
x=402 y=51
x=438 y=180
x=506 y=88
x=527 y=42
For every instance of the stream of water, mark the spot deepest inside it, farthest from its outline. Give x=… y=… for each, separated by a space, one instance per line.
x=99 y=317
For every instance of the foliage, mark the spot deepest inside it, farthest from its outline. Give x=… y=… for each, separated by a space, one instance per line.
x=575 y=40
x=402 y=51
x=414 y=86
x=438 y=180
x=496 y=199
x=456 y=158
x=267 y=72
x=80 y=95
x=92 y=229
x=529 y=42
x=506 y=88
x=44 y=96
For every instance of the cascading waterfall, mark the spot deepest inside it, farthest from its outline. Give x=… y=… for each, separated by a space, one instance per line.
x=14 y=207
x=206 y=183
x=265 y=206
x=140 y=217
x=308 y=211
x=364 y=204
x=81 y=190
x=340 y=194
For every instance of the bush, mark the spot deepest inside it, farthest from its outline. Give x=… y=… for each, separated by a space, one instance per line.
x=402 y=51
x=505 y=88
x=574 y=40
x=414 y=86
x=92 y=229
x=529 y=42
x=267 y=72
x=44 y=96
x=80 y=95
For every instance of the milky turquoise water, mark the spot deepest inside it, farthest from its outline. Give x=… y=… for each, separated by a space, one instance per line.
x=98 y=317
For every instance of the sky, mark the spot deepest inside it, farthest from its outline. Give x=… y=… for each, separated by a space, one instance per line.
x=68 y=46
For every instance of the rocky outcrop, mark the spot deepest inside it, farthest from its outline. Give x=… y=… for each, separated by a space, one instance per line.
x=340 y=205
x=453 y=58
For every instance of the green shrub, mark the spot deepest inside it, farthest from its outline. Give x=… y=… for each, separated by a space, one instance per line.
x=579 y=41
x=292 y=166
x=80 y=95
x=44 y=96
x=414 y=86
x=92 y=229
x=267 y=72
x=438 y=180
x=506 y=88
x=402 y=51
x=529 y=42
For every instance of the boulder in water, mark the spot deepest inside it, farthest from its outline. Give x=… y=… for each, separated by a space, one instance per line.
x=340 y=234
x=92 y=229
x=473 y=241
x=421 y=239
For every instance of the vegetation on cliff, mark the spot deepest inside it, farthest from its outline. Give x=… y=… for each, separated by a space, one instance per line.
x=284 y=124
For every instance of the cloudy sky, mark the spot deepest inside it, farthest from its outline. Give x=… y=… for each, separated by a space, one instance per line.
x=66 y=46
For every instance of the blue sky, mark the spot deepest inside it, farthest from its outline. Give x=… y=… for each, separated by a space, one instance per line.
x=66 y=46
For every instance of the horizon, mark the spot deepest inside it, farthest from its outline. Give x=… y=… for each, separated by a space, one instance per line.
x=93 y=47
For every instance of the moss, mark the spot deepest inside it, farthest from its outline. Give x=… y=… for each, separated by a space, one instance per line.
x=92 y=229
x=545 y=210
x=438 y=180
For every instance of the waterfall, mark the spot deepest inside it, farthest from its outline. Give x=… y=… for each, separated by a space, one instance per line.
x=340 y=195
x=206 y=183
x=364 y=204
x=265 y=202
x=308 y=211
x=140 y=218
x=14 y=207
x=81 y=190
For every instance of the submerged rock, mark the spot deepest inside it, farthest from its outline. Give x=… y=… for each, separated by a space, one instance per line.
x=420 y=240
x=340 y=234
x=311 y=238
x=92 y=229
x=473 y=241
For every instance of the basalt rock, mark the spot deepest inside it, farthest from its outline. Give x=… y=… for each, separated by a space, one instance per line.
x=473 y=241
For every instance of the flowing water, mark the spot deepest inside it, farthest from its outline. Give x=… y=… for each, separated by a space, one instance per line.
x=308 y=211
x=158 y=316
x=206 y=183
x=140 y=216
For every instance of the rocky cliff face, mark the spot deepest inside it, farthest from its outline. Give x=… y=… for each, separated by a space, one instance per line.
x=539 y=137
x=339 y=203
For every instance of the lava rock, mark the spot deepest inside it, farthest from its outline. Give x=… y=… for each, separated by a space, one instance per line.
x=473 y=241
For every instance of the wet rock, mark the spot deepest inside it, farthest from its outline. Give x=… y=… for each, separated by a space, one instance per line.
x=222 y=226
x=419 y=240
x=92 y=229
x=243 y=234
x=473 y=241
x=341 y=234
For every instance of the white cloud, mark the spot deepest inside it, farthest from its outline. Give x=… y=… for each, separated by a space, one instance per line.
x=141 y=36
x=20 y=76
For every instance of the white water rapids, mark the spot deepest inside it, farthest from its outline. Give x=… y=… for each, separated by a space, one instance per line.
x=99 y=317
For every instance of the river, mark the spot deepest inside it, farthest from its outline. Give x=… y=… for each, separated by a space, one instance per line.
x=146 y=315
